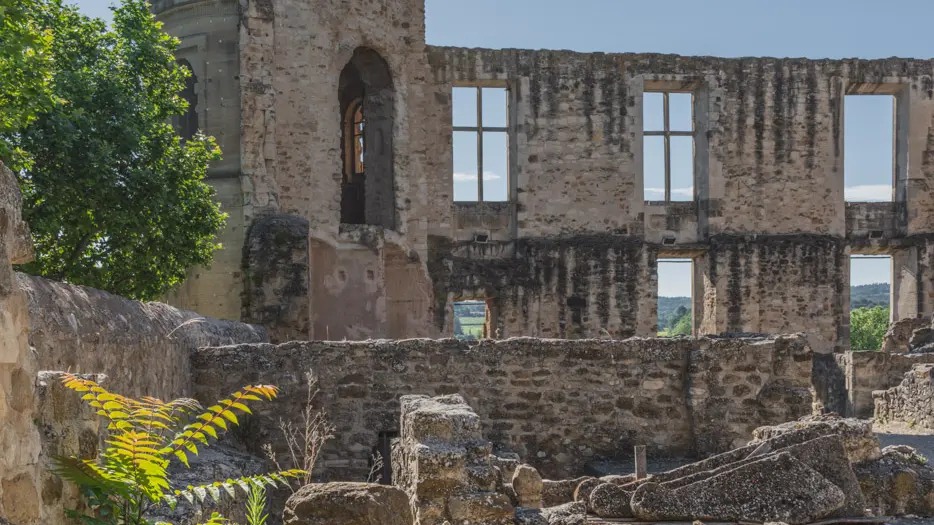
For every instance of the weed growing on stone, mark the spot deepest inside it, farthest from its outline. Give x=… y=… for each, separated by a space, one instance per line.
x=305 y=440
x=130 y=475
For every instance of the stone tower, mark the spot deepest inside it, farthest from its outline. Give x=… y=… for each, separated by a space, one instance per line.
x=286 y=87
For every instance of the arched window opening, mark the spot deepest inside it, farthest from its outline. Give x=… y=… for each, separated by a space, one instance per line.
x=187 y=123
x=366 y=97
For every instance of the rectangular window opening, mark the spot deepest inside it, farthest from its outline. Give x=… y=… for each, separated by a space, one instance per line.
x=668 y=146
x=869 y=148
x=471 y=320
x=870 y=300
x=675 y=297
x=481 y=144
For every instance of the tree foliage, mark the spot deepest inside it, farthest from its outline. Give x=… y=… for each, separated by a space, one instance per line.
x=130 y=476
x=115 y=199
x=868 y=327
x=25 y=68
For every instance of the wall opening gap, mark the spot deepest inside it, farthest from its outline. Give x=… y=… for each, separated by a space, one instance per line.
x=675 y=297
x=471 y=320
x=381 y=458
x=870 y=300
x=869 y=148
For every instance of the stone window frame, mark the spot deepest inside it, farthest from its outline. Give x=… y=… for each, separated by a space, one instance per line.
x=192 y=49
x=479 y=129
x=901 y=118
x=666 y=88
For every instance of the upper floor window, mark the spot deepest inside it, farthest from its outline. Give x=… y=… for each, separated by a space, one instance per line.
x=481 y=144
x=668 y=146
x=187 y=123
x=355 y=146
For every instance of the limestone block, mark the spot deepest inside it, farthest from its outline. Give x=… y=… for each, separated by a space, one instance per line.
x=858 y=440
x=775 y=488
x=898 y=483
x=583 y=490
x=527 y=484
x=611 y=501
x=348 y=504
x=481 y=508
x=559 y=492
x=566 y=514
x=20 y=498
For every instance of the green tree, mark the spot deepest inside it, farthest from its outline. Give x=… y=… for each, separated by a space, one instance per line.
x=867 y=328
x=25 y=68
x=115 y=199
x=682 y=326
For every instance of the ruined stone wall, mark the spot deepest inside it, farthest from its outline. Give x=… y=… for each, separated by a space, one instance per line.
x=911 y=402
x=576 y=287
x=19 y=436
x=559 y=404
x=867 y=372
x=764 y=127
x=778 y=285
x=142 y=347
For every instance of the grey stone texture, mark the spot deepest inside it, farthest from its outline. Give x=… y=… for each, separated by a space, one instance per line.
x=566 y=514
x=20 y=446
x=348 y=504
x=899 y=483
x=527 y=485
x=558 y=404
x=911 y=402
x=609 y=500
x=444 y=464
x=856 y=434
x=898 y=337
x=775 y=488
x=868 y=372
x=142 y=347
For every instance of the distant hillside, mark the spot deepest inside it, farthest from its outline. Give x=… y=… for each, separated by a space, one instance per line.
x=868 y=295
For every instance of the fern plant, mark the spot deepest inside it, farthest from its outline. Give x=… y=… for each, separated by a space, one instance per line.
x=130 y=476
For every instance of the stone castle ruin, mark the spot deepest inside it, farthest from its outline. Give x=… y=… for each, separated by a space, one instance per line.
x=346 y=251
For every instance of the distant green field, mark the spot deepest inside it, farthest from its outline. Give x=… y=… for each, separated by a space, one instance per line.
x=472 y=326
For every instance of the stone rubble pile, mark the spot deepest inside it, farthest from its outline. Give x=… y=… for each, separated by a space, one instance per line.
x=819 y=467
x=911 y=402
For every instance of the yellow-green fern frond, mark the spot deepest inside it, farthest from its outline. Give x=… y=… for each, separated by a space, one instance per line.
x=216 y=491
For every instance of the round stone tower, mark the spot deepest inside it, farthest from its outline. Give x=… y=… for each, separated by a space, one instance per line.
x=209 y=36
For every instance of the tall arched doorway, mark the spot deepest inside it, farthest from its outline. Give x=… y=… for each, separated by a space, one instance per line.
x=367 y=99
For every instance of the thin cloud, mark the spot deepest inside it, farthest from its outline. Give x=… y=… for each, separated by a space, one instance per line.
x=868 y=193
x=660 y=192
x=472 y=177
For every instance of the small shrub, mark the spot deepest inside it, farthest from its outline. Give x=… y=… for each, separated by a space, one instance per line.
x=130 y=476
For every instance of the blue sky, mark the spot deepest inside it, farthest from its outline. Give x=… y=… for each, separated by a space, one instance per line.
x=728 y=28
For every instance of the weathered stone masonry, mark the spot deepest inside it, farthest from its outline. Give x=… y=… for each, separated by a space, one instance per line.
x=574 y=253
x=558 y=404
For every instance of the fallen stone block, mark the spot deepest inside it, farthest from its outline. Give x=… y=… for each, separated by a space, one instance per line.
x=899 y=483
x=567 y=514
x=527 y=485
x=583 y=490
x=858 y=439
x=559 y=492
x=486 y=508
x=609 y=500
x=348 y=504
x=774 y=488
